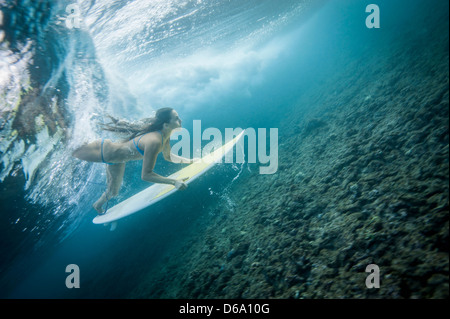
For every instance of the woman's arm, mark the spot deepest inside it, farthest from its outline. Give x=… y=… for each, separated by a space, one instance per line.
x=171 y=157
x=151 y=150
x=178 y=159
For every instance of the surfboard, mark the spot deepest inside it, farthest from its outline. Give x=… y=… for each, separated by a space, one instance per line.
x=157 y=192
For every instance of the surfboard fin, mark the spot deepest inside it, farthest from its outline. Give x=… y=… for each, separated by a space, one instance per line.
x=113 y=226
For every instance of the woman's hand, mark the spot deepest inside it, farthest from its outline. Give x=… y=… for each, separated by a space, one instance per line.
x=180 y=185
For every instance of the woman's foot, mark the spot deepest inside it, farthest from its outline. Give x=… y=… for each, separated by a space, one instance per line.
x=98 y=208
x=99 y=204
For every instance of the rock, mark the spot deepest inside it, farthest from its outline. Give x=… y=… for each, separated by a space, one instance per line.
x=437 y=279
x=313 y=125
x=299 y=177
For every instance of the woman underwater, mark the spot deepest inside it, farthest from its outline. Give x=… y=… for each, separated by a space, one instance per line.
x=146 y=141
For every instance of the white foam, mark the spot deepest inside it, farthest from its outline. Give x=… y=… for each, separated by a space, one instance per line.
x=37 y=152
x=10 y=158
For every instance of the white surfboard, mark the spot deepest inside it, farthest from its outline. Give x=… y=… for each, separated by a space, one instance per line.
x=157 y=192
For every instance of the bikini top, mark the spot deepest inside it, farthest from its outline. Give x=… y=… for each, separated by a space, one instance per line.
x=136 y=144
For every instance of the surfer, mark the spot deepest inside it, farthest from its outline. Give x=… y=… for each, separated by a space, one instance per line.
x=145 y=141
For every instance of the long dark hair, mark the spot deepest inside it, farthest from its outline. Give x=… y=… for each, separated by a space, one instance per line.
x=133 y=129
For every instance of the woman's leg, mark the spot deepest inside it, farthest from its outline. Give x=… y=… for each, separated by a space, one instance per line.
x=114 y=177
x=90 y=152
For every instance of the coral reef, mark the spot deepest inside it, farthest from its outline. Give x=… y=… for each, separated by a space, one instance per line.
x=363 y=179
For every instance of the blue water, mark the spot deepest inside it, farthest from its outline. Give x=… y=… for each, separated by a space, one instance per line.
x=227 y=63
